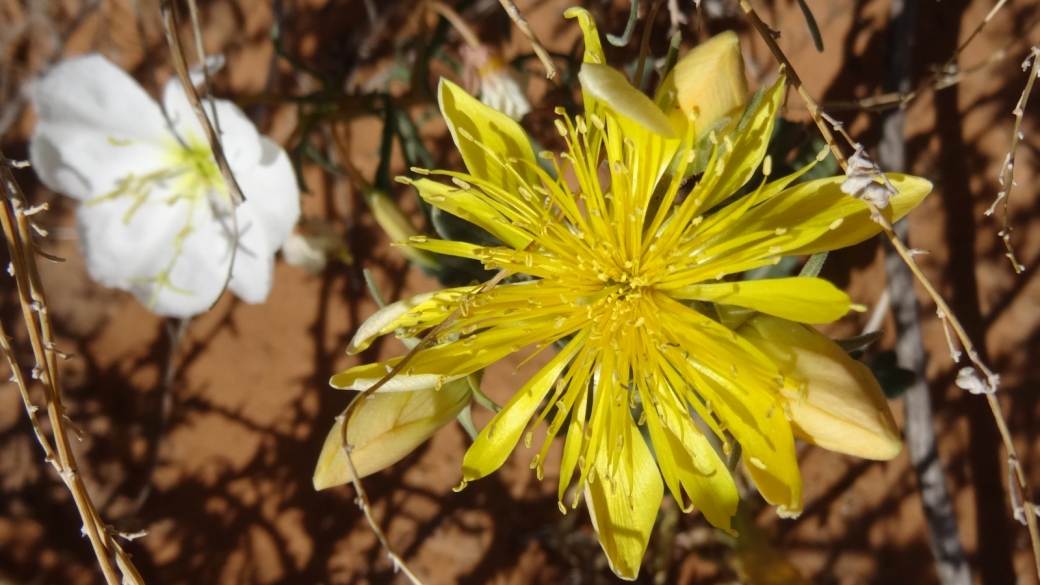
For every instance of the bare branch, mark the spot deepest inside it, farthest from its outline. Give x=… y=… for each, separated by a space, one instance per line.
x=1007 y=172
x=521 y=23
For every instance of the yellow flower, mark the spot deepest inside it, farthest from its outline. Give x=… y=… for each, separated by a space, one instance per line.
x=626 y=275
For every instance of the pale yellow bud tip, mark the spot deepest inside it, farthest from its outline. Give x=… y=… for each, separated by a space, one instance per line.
x=387 y=427
x=834 y=400
x=710 y=83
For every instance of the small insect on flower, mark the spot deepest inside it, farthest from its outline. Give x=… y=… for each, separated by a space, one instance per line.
x=636 y=282
x=155 y=215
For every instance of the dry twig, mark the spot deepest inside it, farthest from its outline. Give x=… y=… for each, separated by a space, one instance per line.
x=114 y=562
x=180 y=64
x=1007 y=171
x=362 y=499
x=521 y=23
x=992 y=380
x=945 y=76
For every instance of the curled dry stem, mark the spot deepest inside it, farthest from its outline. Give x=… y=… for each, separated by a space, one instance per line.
x=942 y=308
x=18 y=236
x=456 y=21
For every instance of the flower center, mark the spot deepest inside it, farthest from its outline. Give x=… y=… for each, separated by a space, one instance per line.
x=187 y=172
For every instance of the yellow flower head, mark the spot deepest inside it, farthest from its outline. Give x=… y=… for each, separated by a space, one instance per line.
x=629 y=276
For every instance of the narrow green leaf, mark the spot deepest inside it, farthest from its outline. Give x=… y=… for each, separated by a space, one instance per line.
x=858 y=342
x=814 y=30
x=814 y=265
x=373 y=290
x=630 y=28
x=673 y=54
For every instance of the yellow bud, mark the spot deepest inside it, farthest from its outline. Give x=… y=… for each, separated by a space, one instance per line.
x=397 y=225
x=385 y=428
x=708 y=82
x=834 y=400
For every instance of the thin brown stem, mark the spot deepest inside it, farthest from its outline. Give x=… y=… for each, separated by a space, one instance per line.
x=180 y=64
x=521 y=23
x=456 y=21
x=18 y=236
x=1007 y=172
x=360 y=398
x=644 y=43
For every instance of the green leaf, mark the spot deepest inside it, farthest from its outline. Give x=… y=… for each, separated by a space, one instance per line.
x=814 y=29
x=858 y=342
x=814 y=265
x=894 y=380
x=630 y=28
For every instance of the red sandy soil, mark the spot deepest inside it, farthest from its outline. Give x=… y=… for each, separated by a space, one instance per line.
x=230 y=500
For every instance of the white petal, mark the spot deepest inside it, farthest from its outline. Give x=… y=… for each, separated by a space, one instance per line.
x=202 y=266
x=212 y=64
x=271 y=192
x=254 y=260
x=128 y=251
x=96 y=125
x=238 y=135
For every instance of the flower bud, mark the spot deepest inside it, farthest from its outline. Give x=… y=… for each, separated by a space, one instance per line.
x=708 y=83
x=397 y=225
x=834 y=401
x=314 y=244
x=387 y=427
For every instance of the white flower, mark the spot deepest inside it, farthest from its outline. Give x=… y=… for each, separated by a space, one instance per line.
x=155 y=215
x=499 y=85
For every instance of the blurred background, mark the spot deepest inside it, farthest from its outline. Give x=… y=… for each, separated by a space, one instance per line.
x=209 y=442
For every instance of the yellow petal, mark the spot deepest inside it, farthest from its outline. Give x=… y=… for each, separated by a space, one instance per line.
x=613 y=90
x=623 y=505
x=764 y=435
x=365 y=376
x=446 y=247
x=740 y=153
x=427 y=308
x=489 y=142
x=471 y=207
x=835 y=402
x=593 y=46
x=451 y=360
x=709 y=83
x=572 y=446
x=857 y=225
x=806 y=300
x=820 y=218
x=808 y=218
x=688 y=462
x=740 y=383
x=494 y=443
x=385 y=428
